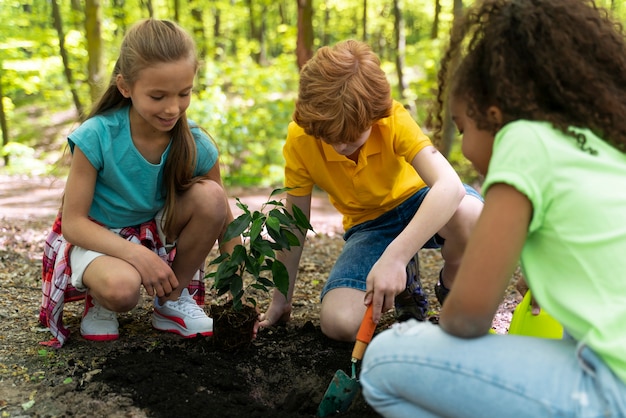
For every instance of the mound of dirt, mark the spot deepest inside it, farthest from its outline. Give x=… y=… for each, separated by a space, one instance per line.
x=147 y=373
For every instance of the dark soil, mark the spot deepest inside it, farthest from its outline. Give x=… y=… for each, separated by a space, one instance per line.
x=147 y=373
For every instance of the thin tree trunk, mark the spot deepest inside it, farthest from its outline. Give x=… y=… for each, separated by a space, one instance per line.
x=149 y=7
x=93 y=23
x=58 y=25
x=434 y=31
x=218 y=43
x=201 y=42
x=448 y=132
x=364 y=21
x=3 y=120
x=304 y=42
x=400 y=54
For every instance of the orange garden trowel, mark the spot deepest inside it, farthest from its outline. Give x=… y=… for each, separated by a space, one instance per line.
x=342 y=388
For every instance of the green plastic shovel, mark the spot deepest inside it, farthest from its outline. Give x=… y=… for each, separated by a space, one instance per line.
x=343 y=388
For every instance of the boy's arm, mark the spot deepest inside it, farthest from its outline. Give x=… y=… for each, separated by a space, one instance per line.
x=388 y=275
x=280 y=307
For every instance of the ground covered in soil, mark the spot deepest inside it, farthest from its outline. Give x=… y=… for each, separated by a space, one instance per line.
x=146 y=373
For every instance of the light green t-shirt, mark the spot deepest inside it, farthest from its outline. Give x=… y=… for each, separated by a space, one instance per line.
x=574 y=258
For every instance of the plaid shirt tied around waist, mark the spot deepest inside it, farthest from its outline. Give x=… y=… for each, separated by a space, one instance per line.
x=57 y=272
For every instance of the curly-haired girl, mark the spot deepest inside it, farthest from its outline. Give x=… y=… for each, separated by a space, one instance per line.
x=539 y=94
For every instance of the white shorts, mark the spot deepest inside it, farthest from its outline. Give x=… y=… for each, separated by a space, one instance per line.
x=80 y=258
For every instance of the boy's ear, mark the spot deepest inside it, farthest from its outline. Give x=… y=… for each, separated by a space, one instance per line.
x=494 y=115
x=122 y=86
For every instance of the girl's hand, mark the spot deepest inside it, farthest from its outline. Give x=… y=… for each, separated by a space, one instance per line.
x=522 y=288
x=156 y=275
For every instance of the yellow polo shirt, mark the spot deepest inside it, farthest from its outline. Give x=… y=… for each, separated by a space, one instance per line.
x=382 y=179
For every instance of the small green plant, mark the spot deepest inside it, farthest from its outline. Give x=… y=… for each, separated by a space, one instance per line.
x=264 y=232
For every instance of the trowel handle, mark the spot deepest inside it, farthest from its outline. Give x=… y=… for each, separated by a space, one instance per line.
x=365 y=334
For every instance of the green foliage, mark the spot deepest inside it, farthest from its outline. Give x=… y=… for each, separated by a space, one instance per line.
x=247 y=108
x=264 y=232
x=22 y=159
x=244 y=102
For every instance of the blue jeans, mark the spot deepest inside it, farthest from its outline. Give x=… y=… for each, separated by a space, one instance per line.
x=417 y=370
x=365 y=242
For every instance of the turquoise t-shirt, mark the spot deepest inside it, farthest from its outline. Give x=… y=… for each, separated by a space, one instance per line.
x=574 y=258
x=129 y=189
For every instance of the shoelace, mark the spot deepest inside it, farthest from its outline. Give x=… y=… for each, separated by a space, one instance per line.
x=103 y=313
x=187 y=305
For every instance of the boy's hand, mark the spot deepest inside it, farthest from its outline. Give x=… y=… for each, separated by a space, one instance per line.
x=386 y=280
x=277 y=313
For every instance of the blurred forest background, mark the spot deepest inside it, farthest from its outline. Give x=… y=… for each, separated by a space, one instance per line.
x=56 y=57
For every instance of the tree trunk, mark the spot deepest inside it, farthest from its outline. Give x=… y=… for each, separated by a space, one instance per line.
x=149 y=7
x=218 y=43
x=364 y=21
x=3 y=120
x=176 y=7
x=434 y=31
x=304 y=42
x=448 y=133
x=257 y=32
x=93 y=23
x=58 y=25
x=400 y=45
x=201 y=42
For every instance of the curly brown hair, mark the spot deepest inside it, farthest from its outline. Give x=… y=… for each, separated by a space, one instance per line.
x=342 y=92
x=561 y=61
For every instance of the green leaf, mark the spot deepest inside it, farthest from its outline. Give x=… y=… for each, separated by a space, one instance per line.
x=262 y=247
x=283 y=216
x=281 y=277
x=223 y=282
x=301 y=219
x=219 y=259
x=242 y=206
x=239 y=255
x=278 y=239
x=237 y=305
x=236 y=287
x=265 y=282
x=292 y=238
x=275 y=203
x=256 y=228
x=236 y=227
x=225 y=270
x=280 y=191
x=259 y=286
x=252 y=266
x=251 y=301
x=273 y=223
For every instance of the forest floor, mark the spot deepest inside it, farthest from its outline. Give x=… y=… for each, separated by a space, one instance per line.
x=146 y=373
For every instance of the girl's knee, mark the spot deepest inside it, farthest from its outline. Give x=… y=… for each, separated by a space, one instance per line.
x=209 y=200
x=119 y=294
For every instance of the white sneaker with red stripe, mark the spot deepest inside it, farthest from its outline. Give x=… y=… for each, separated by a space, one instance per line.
x=98 y=323
x=183 y=316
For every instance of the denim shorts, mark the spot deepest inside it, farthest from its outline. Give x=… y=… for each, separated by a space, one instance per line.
x=365 y=242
